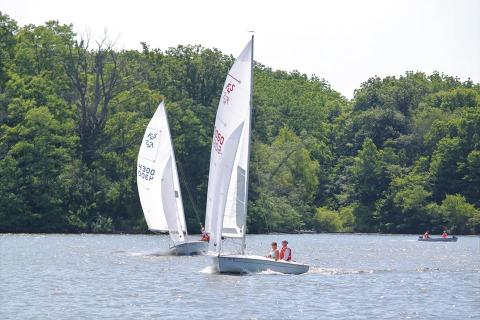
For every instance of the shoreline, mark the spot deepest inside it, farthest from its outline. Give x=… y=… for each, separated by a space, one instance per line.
x=250 y=234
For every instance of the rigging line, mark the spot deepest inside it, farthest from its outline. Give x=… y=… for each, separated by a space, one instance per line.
x=189 y=192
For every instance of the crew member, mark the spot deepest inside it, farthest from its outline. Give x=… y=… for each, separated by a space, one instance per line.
x=285 y=252
x=274 y=254
x=205 y=236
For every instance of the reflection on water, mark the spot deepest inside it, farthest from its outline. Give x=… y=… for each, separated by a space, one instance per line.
x=132 y=276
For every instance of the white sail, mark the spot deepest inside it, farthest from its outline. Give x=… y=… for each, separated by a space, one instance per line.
x=228 y=176
x=157 y=179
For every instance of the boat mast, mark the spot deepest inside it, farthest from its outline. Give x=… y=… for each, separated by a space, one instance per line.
x=174 y=164
x=249 y=147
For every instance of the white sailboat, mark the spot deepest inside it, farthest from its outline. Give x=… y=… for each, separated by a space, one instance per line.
x=228 y=177
x=159 y=188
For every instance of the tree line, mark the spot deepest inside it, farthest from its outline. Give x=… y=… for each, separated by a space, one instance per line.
x=402 y=156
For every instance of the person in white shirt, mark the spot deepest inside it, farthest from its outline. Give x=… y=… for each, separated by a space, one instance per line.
x=274 y=254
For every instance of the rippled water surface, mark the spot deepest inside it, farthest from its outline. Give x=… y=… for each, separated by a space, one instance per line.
x=129 y=277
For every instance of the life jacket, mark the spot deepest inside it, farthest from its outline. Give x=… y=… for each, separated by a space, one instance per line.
x=444 y=235
x=205 y=237
x=282 y=253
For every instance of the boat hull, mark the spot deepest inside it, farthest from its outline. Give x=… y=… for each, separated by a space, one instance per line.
x=253 y=264
x=452 y=239
x=189 y=248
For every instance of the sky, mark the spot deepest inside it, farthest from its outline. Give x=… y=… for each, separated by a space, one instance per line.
x=344 y=41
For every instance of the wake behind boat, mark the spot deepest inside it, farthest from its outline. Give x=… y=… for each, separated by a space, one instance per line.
x=438 y=239
x=227 y=197
x=159 y=188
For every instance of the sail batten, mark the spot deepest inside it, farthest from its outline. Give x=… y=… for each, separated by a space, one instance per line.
x=157 y=179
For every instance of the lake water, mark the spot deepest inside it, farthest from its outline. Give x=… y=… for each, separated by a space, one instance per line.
x=128 y=277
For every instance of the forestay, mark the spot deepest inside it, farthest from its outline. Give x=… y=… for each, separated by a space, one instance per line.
x=157 y=179
x=228 y=176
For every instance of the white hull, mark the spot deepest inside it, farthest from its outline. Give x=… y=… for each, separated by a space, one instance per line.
x=189 y=248
x=253 y=264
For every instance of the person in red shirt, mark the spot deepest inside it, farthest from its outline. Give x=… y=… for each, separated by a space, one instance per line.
x=444 y=234
x=285 y=252
x=205 y=236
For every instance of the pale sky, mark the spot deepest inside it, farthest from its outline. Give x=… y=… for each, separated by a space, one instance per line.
x=343 y=41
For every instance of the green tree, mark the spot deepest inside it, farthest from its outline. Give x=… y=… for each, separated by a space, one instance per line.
x=35 y=162
x=443 y=167
x=8 y=29
x=471 y=170
x=410 y=199
x=457 y=212
x=327 y=220
x=285 y=176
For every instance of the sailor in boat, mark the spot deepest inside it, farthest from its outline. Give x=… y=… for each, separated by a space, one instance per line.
x=285 y=252
x=205 y=236
x=444 y=234
x=274 y=253
x=426 y=235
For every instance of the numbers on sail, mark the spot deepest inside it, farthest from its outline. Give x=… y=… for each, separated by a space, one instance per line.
x=150 y=139
x=218 y=140
x=228 y=89
x=145 y=172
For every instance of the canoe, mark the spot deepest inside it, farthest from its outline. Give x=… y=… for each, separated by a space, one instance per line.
x=189 y=248
x=253 y=264
x=449 y=239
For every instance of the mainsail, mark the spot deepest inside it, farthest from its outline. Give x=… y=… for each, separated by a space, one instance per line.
x=228 y=177
x=157 y=179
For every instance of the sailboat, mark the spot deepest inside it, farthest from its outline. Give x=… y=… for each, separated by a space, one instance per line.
x=227 y=196
x=159 y=188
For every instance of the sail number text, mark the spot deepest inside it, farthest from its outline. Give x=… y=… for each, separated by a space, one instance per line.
x=145 y=172
x=228 y=89
x=218 y=140
x=150 y=138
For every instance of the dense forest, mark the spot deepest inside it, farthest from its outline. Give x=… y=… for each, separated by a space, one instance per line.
x=400 y=157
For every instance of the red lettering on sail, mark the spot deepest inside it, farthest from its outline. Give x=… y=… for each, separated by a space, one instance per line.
x=218 y=140
x=228 y=89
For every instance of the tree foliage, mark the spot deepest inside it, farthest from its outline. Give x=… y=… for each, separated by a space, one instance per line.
x=402 y=156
